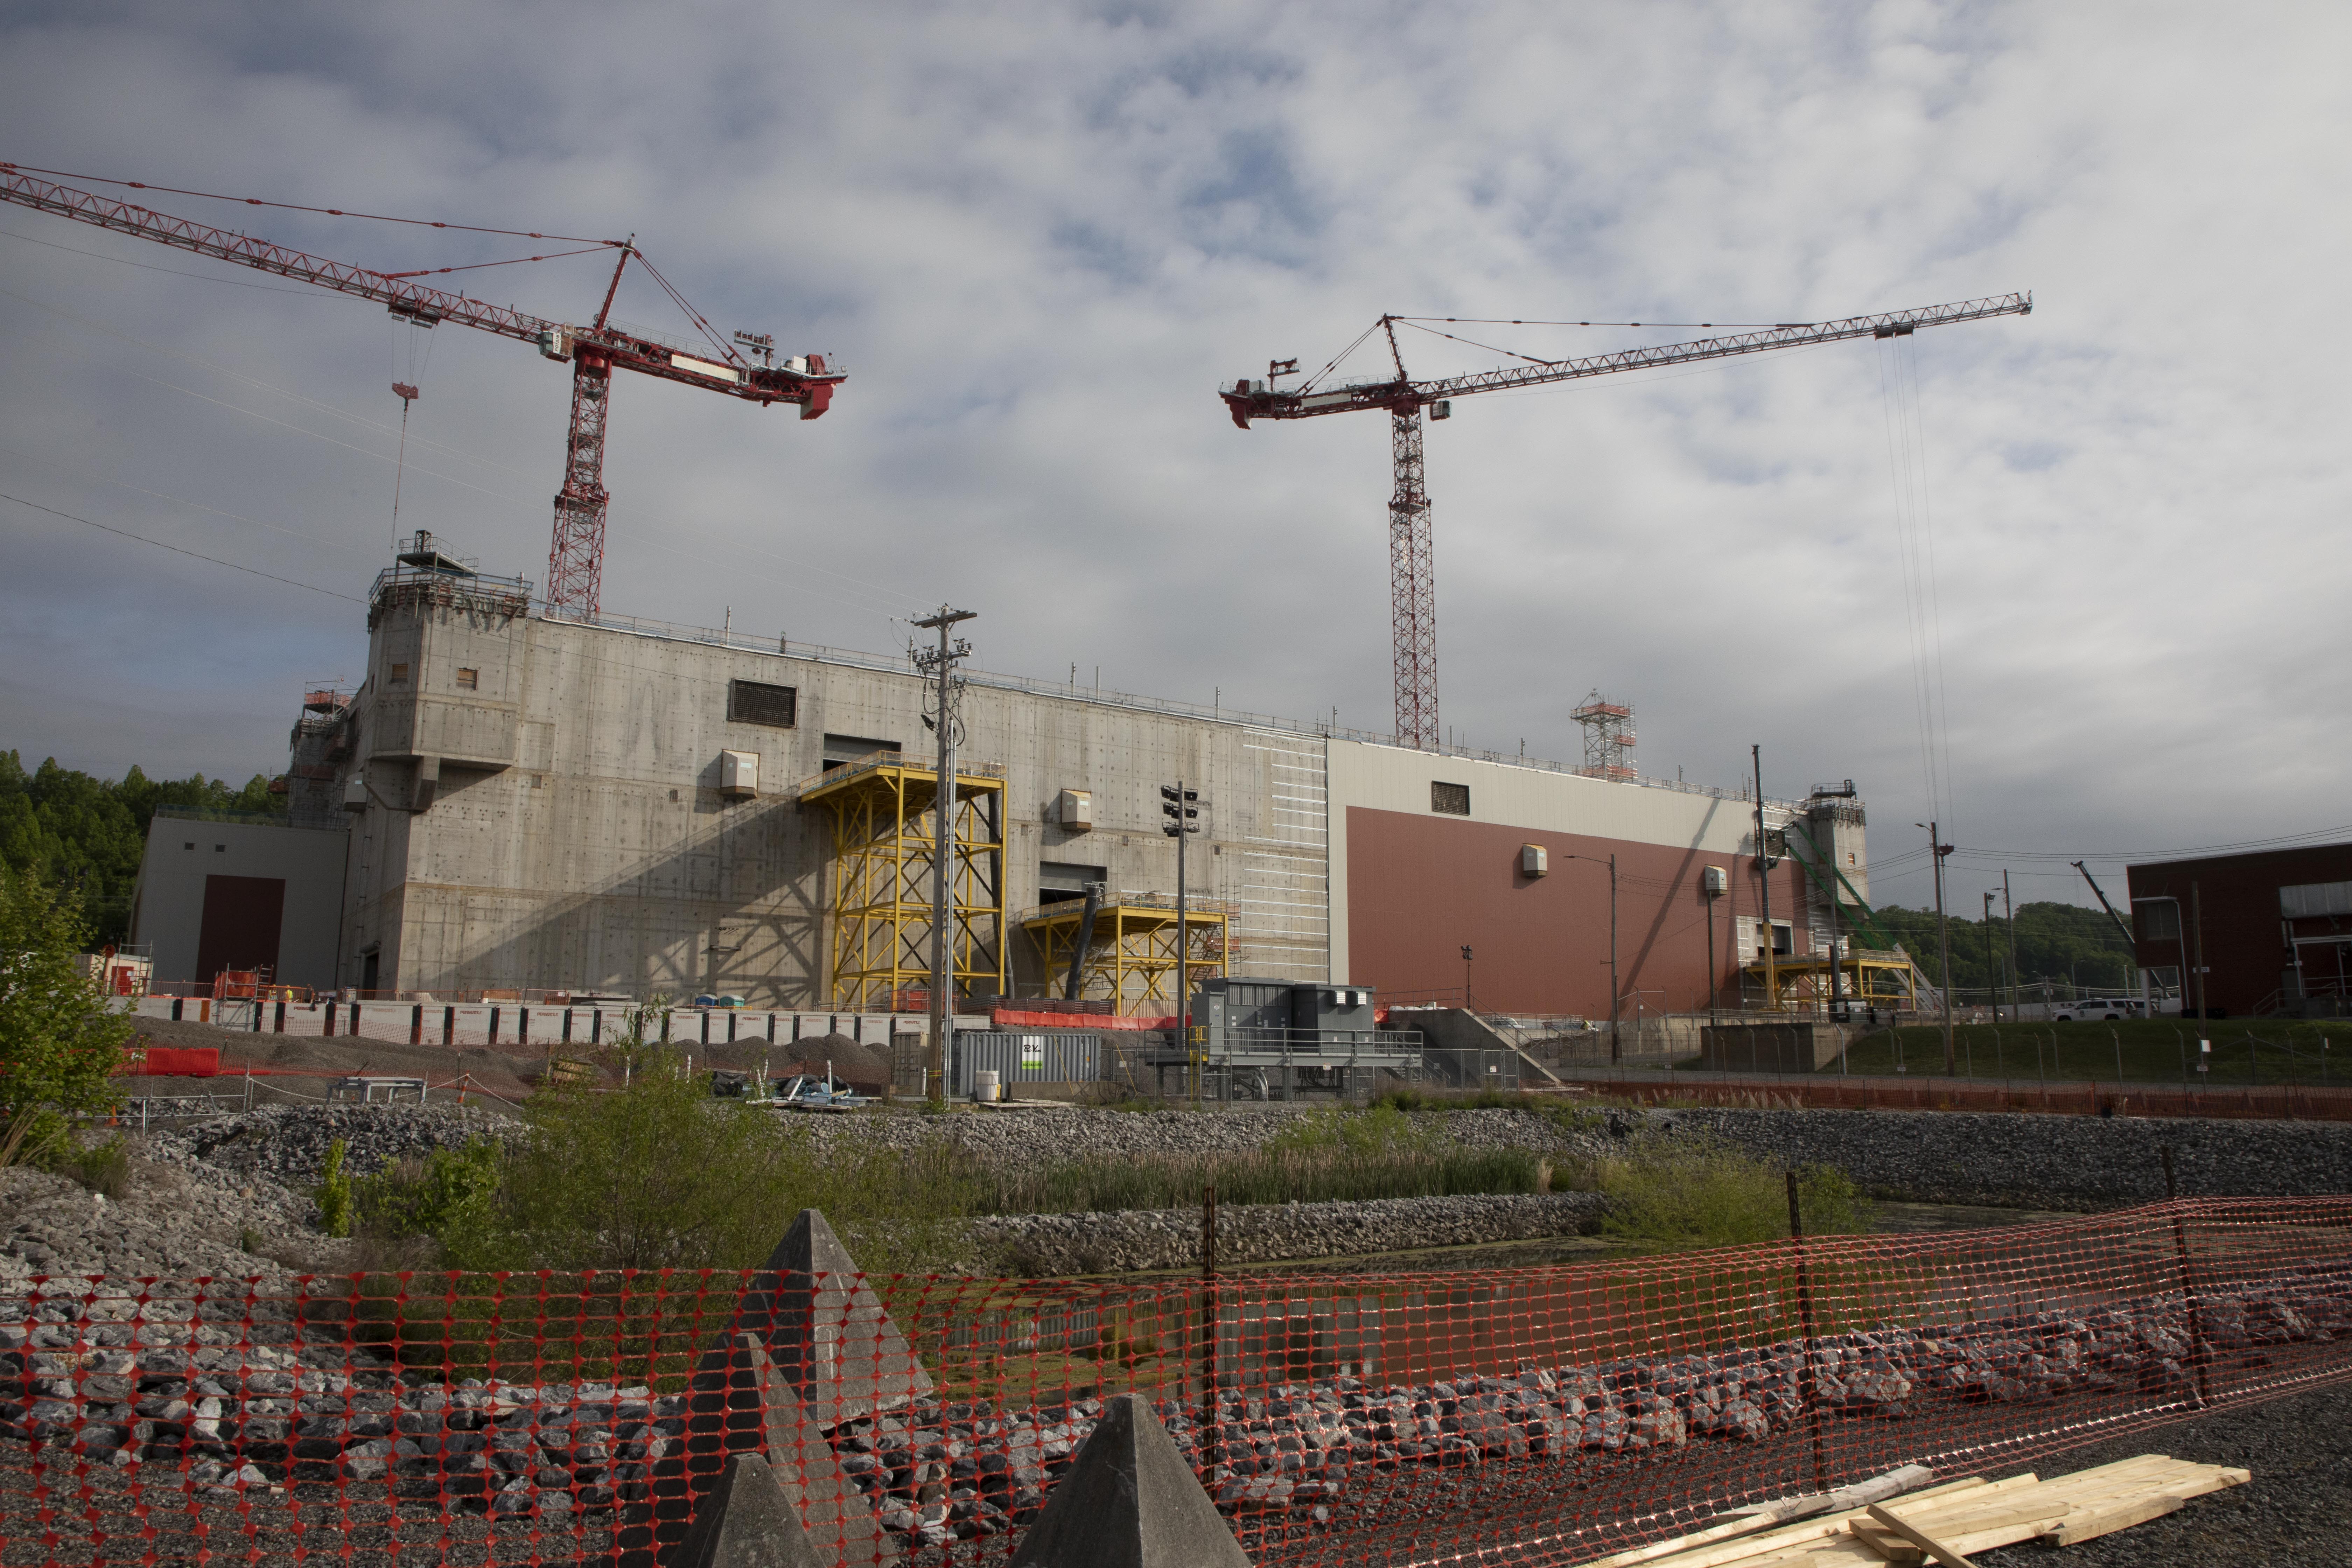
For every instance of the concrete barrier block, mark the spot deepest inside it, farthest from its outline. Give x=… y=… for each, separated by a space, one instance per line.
x=1129 y=1501
x=747 y=1521
x=825 y=1329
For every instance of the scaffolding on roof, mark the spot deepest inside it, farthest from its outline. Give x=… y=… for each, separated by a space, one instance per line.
x=1608 y=738
x=881 y=811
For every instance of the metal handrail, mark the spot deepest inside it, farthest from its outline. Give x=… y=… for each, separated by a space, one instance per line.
x=874 y=762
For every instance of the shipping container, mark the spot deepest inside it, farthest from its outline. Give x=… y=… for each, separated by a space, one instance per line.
x=1018 y=1058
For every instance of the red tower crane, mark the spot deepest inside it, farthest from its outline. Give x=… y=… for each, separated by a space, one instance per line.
x=575 y=561
x=1412 y=588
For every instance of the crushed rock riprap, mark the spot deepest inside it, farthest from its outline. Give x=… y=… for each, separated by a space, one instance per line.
x=2009 y=1159
x=220 y=1391
x=289 y=1143
x=1135 y=1239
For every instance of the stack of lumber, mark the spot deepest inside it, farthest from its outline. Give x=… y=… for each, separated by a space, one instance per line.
x=1942 y=1524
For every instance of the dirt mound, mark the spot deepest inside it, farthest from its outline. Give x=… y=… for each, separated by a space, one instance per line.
x=315 y=1060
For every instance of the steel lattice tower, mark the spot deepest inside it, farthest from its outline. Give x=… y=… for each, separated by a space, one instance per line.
x=1412 y=588
x=1607 y=737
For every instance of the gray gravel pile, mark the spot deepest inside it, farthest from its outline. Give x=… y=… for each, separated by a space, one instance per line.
x=289 y=1143
x=1066 y=1244
x=182 y=1220
x=232 y=1396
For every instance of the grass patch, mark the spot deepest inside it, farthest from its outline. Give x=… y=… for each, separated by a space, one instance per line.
x=1686 y=1190
x=2143 y=1051
x=103 y=1168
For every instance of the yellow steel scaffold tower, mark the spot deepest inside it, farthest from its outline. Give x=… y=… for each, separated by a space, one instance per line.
x=1131 y=954
x=1871 y=978
x=883 y=830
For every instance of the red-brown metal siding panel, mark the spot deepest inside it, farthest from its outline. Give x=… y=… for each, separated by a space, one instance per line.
x=2245 y=943
x=1420 y=887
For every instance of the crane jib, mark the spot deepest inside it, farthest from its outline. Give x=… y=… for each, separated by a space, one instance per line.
x=1413 y=594
x=575 y=562
x=1255 y=400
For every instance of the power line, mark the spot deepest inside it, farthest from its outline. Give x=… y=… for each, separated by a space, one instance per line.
x=175 y=550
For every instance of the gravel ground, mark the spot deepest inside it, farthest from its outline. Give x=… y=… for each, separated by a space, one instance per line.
x=2293 y=1514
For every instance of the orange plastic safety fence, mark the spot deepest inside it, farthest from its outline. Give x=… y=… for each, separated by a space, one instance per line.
x=1545 y=1414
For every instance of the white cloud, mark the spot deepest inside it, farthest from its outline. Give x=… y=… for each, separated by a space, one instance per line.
x=1041 y=234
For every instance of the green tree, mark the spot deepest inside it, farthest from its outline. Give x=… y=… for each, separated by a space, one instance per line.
x=67 y=829
x=59 y=1044
x=2054 y=941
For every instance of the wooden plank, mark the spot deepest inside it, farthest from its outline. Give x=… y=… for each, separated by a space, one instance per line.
x=1947 y=1555
x=2122 y=1513
x=1721 y=1554
x=1995 y=1494
x=1769 y=1515
x=1885 y=1544
x=2028 y=1507
x=2089 y=1525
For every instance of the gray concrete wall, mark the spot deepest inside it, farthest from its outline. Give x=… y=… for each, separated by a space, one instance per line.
x=603 y=855
x=542 y=809
x=167 y=909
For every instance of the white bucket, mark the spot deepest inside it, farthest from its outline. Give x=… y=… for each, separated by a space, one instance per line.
x=986 y=1084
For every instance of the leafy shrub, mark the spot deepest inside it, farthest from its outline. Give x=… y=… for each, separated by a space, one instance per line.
x=658 y=1175
x=103 y=1168
x=430 y=1196
x=335 y=1193
x=60 y=1039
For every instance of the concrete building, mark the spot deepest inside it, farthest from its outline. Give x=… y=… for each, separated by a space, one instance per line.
x=2272 y=930
x=631 y=807
x=514 y=803
x=216 y=894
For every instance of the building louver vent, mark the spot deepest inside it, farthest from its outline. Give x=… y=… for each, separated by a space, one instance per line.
x=754 y=702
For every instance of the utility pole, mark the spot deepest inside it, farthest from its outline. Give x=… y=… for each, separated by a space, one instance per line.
x=1993 y=964
x=940 y=663
x=2009 y=913
x=1943 y=941
x=1764 y=880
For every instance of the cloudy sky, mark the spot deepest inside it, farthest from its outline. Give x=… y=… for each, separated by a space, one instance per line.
x=2106 y=539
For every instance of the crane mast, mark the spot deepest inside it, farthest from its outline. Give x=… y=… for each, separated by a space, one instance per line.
x=576 y=557
x=1413 y=584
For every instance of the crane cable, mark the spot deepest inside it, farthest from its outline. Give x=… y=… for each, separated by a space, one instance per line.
x=407 y=389
x=299 y=207
x=1915 y=545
